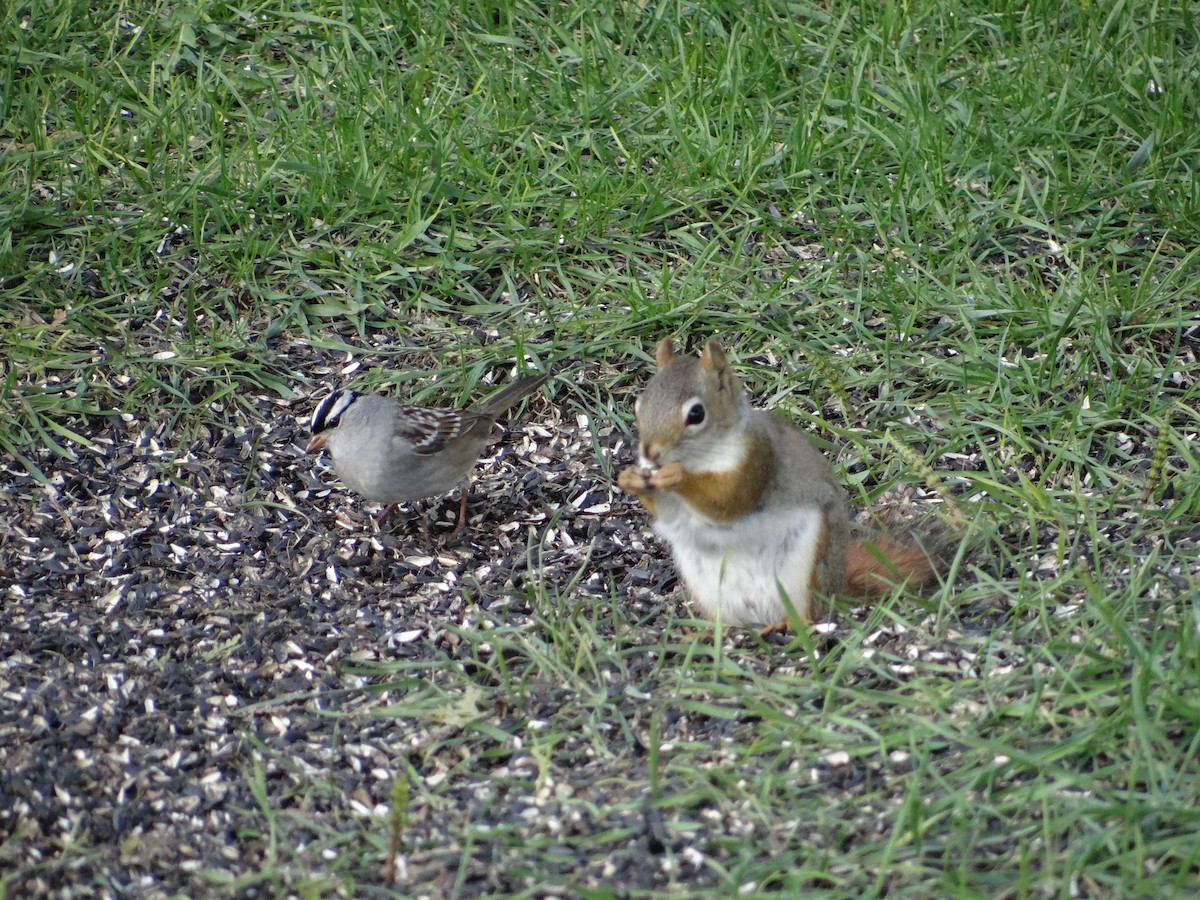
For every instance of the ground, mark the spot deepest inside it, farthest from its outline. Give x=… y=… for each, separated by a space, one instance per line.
x=959 y=251
x=192 y=655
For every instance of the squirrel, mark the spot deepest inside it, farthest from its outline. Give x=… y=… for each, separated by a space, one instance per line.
x=756 y=520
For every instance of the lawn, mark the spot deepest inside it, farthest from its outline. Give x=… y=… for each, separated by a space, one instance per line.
x=958 y=244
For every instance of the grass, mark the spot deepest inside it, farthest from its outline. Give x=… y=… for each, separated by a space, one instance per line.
x=958 y=244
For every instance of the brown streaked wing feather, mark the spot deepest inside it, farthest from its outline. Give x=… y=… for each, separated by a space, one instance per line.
x=430 y=430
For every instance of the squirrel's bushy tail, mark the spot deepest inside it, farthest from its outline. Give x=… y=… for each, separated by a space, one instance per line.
x=875 y=566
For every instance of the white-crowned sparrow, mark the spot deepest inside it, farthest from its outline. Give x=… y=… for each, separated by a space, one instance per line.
x=391 y=452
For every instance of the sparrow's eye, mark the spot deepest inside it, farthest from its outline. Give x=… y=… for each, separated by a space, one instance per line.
x=694 y=414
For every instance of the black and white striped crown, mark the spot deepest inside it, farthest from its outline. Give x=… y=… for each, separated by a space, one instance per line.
x=329 y=411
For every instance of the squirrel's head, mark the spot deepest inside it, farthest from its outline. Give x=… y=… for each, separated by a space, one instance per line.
x=689 y=408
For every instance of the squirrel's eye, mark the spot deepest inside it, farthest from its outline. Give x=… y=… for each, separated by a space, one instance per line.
x=694 y=415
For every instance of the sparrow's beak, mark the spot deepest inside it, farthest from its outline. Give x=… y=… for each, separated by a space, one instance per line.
x=315 y=443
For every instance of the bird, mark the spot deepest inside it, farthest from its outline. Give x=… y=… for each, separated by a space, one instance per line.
x=392 y=452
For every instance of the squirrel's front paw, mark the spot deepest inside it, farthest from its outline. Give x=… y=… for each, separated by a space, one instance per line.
x=668 y=476
x=642 y=480
x=633 y=480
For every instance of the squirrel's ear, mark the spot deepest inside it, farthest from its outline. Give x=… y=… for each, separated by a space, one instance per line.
x=712 y=357
x=664 y=353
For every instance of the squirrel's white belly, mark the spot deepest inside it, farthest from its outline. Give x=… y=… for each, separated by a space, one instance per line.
x=737 y=571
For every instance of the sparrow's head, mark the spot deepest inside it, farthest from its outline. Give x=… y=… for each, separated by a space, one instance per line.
x=327 y=415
